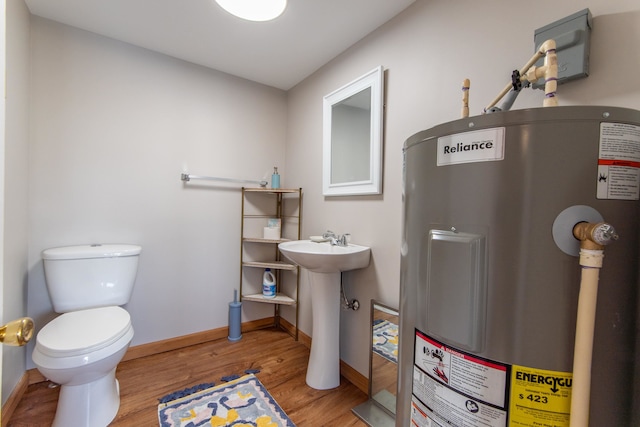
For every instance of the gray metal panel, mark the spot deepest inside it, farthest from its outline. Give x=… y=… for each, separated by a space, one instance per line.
x=572 y=36
x=551 y=160
x=456 y=282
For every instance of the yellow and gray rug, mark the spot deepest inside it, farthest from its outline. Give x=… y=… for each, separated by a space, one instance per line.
x=241 y=402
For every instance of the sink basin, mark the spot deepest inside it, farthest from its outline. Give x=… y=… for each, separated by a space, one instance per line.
x=324 y=257
x=325 y=264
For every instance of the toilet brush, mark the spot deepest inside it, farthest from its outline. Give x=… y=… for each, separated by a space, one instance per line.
x=235 y=311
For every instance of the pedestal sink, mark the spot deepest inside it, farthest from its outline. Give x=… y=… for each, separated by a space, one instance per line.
x=325 y=263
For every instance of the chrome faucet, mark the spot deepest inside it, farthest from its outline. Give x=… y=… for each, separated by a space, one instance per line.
x=336 y=240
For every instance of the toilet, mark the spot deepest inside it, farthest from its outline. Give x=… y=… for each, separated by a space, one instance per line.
x=81 y=348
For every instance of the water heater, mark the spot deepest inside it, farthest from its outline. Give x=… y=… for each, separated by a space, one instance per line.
x=490 y=276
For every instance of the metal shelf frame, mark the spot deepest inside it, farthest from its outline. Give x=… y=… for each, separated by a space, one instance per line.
x=276 y=262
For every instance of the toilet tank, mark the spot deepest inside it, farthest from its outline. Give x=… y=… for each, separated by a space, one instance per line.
x=88 y=276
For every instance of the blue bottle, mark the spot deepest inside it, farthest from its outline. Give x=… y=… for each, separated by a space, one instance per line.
x=275 y=179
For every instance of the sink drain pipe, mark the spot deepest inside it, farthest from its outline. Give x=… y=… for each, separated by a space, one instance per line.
x=354 y=304
x=593 y=238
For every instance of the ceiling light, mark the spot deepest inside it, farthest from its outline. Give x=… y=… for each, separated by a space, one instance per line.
x=254 y=10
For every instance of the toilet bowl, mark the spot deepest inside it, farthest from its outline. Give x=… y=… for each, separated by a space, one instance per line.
x=80 y=351
x=81 y=348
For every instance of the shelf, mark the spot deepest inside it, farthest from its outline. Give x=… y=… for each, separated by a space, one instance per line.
x=248 y=216
x=259 y=240
x=279 y=299
x=276 y=265
x=271 y=190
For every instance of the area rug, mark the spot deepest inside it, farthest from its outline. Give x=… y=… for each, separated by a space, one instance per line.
x=241 y=402
x=385 y=339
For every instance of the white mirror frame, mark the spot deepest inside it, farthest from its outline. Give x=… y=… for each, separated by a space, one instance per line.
x=374 y=79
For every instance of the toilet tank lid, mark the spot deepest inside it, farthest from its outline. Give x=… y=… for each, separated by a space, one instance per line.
x=91 y=251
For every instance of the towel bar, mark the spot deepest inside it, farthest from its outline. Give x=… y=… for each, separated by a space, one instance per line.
x=188 y=177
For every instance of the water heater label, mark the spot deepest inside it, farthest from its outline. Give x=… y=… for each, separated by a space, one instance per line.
x=452 y=387
x=539 y=397
x=619 y=162
x=485 y=145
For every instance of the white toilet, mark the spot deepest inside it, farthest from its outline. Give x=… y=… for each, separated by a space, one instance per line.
x=81 y=348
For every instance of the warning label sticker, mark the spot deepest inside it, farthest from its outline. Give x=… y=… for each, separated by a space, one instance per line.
x=451 y=387
x=539 y=398
x=619 y=162
x=420 y=415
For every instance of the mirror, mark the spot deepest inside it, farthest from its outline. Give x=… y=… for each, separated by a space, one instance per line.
x=352 y=137
x=380 y=409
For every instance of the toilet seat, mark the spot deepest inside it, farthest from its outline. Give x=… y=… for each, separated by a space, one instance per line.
x=82 y=332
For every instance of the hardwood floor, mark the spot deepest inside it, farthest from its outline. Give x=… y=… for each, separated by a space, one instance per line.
x=281 y=360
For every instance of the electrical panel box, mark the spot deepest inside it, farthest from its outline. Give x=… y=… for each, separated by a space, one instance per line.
x=572 y=35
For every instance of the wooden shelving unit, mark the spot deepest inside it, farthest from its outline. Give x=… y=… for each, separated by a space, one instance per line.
x=257 y=253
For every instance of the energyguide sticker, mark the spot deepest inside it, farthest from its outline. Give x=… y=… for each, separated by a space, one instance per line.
x=539 y=398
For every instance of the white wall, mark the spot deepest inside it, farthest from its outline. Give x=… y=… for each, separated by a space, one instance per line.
x=427 y=52
x=113 y=127
x=15 y=211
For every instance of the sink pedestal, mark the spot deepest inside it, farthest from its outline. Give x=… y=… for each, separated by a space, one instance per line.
x=323 y=371
x=325 y=263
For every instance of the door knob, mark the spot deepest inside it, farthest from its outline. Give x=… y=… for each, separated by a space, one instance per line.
x=17 y=332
